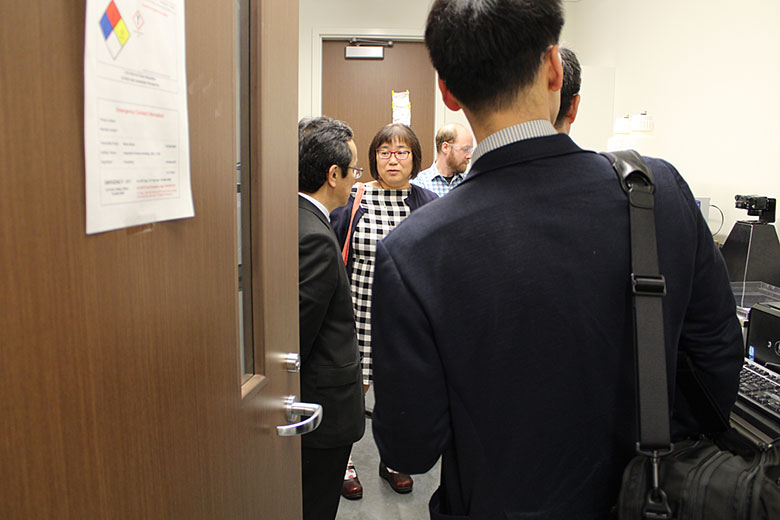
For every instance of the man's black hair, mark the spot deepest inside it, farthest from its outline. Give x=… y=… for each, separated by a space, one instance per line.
x=307 y=124
x=320 y=146
x=486 y=51
x=571 y=82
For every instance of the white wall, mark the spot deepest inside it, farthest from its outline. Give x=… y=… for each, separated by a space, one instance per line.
x=399 y=19
x=704 y=69
x=707 y=71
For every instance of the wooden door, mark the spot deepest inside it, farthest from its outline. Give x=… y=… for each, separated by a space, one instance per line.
x=359 y=91
x=121 y=392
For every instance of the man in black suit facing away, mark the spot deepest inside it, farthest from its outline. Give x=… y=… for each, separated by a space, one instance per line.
x=330 y=367
x=570 y=91
x=502 y=323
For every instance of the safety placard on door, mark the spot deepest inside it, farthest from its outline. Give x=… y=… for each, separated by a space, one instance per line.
x=136 y=131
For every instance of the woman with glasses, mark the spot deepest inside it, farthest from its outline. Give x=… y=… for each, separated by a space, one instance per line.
x=394 y=158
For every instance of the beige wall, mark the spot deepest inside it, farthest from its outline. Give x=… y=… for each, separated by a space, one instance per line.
x=705 y=69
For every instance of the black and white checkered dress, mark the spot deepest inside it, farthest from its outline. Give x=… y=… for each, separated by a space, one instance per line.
x=384 y=209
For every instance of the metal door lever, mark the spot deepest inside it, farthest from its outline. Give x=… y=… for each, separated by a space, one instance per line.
x=293 y=411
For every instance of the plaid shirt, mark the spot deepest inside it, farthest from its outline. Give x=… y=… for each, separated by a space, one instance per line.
x=431 y=179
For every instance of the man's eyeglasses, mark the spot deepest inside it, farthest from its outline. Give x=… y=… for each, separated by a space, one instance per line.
x=467 y=149
x=401 y=155
x=356 y=172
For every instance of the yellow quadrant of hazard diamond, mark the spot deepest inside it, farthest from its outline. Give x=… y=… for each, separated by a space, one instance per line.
x=121 y=32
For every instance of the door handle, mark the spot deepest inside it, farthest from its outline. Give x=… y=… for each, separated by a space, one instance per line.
x=294 y=410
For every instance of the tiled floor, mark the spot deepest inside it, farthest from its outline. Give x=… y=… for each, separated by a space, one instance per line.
x=379 y=501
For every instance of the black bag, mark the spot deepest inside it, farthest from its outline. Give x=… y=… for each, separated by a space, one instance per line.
x=719 y=476
x=700 y=480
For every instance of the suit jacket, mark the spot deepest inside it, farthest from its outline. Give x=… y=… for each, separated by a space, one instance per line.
x=330 y=368
x=502 y=332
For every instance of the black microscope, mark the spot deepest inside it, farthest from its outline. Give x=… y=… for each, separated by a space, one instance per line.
x=752 y=250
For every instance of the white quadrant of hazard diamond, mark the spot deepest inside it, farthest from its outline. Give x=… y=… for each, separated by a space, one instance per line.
x=114 y=47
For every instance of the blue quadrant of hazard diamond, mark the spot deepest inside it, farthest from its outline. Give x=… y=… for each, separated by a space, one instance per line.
x=105 y=25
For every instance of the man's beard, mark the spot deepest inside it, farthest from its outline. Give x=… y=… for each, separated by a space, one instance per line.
x=455 y=166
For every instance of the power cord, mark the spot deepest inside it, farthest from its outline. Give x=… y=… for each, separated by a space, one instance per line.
x=722 y=219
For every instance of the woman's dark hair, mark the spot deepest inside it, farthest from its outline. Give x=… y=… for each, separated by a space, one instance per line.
x=322 y=143
x=395 y=132
x=487 y=51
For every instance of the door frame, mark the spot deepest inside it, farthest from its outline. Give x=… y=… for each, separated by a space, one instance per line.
x=330 y=33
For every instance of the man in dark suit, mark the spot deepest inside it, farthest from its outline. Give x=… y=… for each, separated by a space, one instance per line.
x=570 y=91
x=330 y=367
x=502 y=323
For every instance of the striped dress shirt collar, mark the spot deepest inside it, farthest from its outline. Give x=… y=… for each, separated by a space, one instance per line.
x=513 y=134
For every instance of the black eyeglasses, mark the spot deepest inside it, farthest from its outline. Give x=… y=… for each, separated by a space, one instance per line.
x=401 y=155
x=357 y=172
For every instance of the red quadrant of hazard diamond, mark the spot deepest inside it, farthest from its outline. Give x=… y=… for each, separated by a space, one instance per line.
x=113 y=13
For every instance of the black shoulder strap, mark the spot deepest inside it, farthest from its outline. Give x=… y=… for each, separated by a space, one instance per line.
x=631 y=169
x=649 y=287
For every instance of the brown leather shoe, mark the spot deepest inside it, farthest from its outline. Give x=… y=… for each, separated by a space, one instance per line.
x=351 y=488
x=400 y=482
